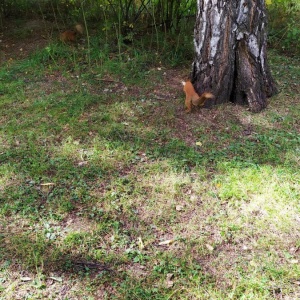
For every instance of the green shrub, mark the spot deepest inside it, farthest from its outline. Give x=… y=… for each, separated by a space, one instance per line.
x=284 y=25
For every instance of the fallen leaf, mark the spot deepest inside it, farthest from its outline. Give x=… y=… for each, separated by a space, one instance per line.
x=198 y=144
x=166 y=242
x=59 y=279
x=82 y=163
x=253 y=263
x=294 y=261
x=140 y=243
x=179 y=207
x=169 y=282
x=26 y=279
x=209 y=247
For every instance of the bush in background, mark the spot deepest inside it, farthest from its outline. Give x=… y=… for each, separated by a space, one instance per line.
x=128 y=20
x=284 y=25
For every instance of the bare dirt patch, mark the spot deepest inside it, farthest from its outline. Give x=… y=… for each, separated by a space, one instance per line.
x=18 y=40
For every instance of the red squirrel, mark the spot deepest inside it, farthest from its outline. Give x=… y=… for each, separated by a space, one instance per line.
x=69 y=36
x=192 y=97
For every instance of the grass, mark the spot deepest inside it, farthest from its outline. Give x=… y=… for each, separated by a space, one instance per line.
x=108 y=190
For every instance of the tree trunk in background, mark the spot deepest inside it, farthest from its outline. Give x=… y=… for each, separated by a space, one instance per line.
x=230 y=52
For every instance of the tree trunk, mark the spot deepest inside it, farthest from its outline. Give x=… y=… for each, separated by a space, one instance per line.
x=230 y=52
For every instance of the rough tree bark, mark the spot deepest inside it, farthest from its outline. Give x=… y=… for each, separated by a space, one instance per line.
x=230 y=52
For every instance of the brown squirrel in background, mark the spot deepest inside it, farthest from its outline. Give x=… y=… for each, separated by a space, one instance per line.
x=69 y=36
x=192 y=98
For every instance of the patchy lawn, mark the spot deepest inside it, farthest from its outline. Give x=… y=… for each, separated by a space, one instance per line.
x=109 y=190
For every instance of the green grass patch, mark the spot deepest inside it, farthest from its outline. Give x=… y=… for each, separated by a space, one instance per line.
x=108 y=190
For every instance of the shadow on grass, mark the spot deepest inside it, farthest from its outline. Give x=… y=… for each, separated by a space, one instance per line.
x=100 y=146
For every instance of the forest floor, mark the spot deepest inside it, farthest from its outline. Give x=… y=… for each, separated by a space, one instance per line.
x=109 y=190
